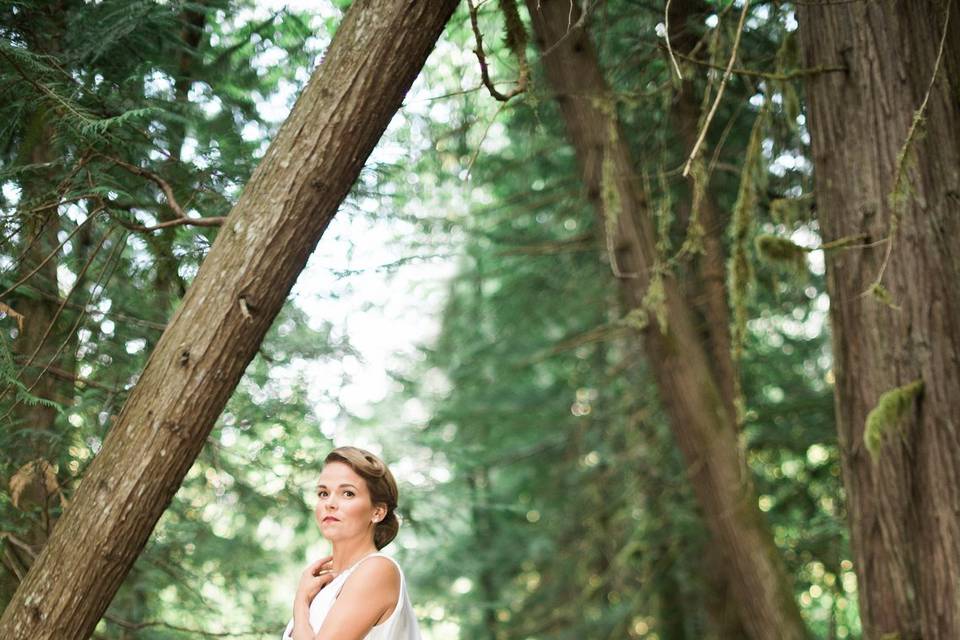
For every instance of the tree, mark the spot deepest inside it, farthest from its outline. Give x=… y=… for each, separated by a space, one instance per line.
x=376 y=54
x=690 y=383
x=886 y=147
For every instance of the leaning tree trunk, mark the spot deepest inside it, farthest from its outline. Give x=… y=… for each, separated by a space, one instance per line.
x=688 y=388
x=886 y=151
x=260 y=249
x=709 y=292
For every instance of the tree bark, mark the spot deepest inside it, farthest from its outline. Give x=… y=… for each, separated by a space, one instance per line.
x=710 y=290
x=688 y=388
x=377 y=52
x=904 y=500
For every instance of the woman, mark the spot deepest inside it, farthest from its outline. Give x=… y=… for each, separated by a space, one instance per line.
x=357 y=593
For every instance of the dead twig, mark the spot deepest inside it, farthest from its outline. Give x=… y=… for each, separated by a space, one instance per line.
x=666 y=38
x=766 y=75
x=897 y=195
x=516 y=42
x=723 y=83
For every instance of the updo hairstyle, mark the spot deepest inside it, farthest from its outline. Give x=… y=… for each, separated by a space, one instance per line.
x=380 y=483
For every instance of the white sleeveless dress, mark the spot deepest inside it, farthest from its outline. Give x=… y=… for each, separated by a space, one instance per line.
x=401 y=625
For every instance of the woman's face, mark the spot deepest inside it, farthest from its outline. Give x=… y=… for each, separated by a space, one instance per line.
x=344 y=507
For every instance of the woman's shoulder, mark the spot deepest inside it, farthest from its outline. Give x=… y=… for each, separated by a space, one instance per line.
x=375 y=580
x=378 y=568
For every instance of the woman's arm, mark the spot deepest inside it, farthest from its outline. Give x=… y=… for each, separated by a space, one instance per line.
x=315 y=577
x=370 y=592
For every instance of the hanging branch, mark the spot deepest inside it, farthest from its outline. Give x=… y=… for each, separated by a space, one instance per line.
x=723 y=84
x=516 y=41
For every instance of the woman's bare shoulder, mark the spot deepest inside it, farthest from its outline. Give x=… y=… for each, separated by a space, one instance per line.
x=369 y=595
x=376 y=574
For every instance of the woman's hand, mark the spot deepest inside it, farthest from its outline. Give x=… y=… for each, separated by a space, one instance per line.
x=315 y=577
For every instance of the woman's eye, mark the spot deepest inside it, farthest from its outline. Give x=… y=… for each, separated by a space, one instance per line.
x=321 y=493
x=349 y=493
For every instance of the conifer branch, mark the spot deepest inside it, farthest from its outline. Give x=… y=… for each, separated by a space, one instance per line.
x=153 y=177
x=181 y=216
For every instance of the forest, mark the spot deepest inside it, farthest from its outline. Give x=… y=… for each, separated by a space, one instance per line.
x=652 y=306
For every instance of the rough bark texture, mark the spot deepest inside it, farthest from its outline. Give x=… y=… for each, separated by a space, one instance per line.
x=688 y=388
x=262 y=247
x=904 y=507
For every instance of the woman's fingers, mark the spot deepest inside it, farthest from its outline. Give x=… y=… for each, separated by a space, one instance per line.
x=316 y=565
x=322 y=561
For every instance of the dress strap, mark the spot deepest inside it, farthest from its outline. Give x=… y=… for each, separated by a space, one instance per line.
x=357 y=564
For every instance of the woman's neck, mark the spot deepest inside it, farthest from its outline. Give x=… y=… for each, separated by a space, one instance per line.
x=346 y=553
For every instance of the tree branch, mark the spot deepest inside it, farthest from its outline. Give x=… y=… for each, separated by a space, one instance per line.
x=516 y=41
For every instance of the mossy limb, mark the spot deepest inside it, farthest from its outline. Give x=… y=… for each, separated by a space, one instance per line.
x=782 y=250
x=882 y=294
x=890 y=408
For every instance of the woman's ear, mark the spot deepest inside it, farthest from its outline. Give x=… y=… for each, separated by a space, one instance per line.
x=379 y=514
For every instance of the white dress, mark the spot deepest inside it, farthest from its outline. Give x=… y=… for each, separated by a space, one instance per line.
x=401 y=625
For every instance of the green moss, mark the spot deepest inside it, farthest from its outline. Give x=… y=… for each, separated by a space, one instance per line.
x=637 y=319
x=654 y=304
x=890 y=408
x=881 y=294
x=693 y=242
x=782 y=250
x=790 y=211
x=655 y=300
x=752 y=182
x=610 y=189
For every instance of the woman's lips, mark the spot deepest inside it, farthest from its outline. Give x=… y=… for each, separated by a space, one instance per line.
x=330 y=519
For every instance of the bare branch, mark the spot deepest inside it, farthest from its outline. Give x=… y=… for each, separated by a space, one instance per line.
x=897 y=196
x=723 y=83
x=153 y=177
x=213 y=221
x=516 y=41
x=766 y=75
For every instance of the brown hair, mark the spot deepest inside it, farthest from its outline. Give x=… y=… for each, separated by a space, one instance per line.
x=380 y=482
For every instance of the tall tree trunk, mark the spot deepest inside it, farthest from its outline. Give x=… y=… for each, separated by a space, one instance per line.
x=902 y=476
x=710 y=291
x=687 y=385
x=263 y=245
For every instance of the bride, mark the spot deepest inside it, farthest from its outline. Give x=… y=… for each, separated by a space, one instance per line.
x=358 y=593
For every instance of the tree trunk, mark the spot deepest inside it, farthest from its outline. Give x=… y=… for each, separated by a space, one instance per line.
x=903 y=479
x=377 y=52
x=710 y=291
x=688 y=388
